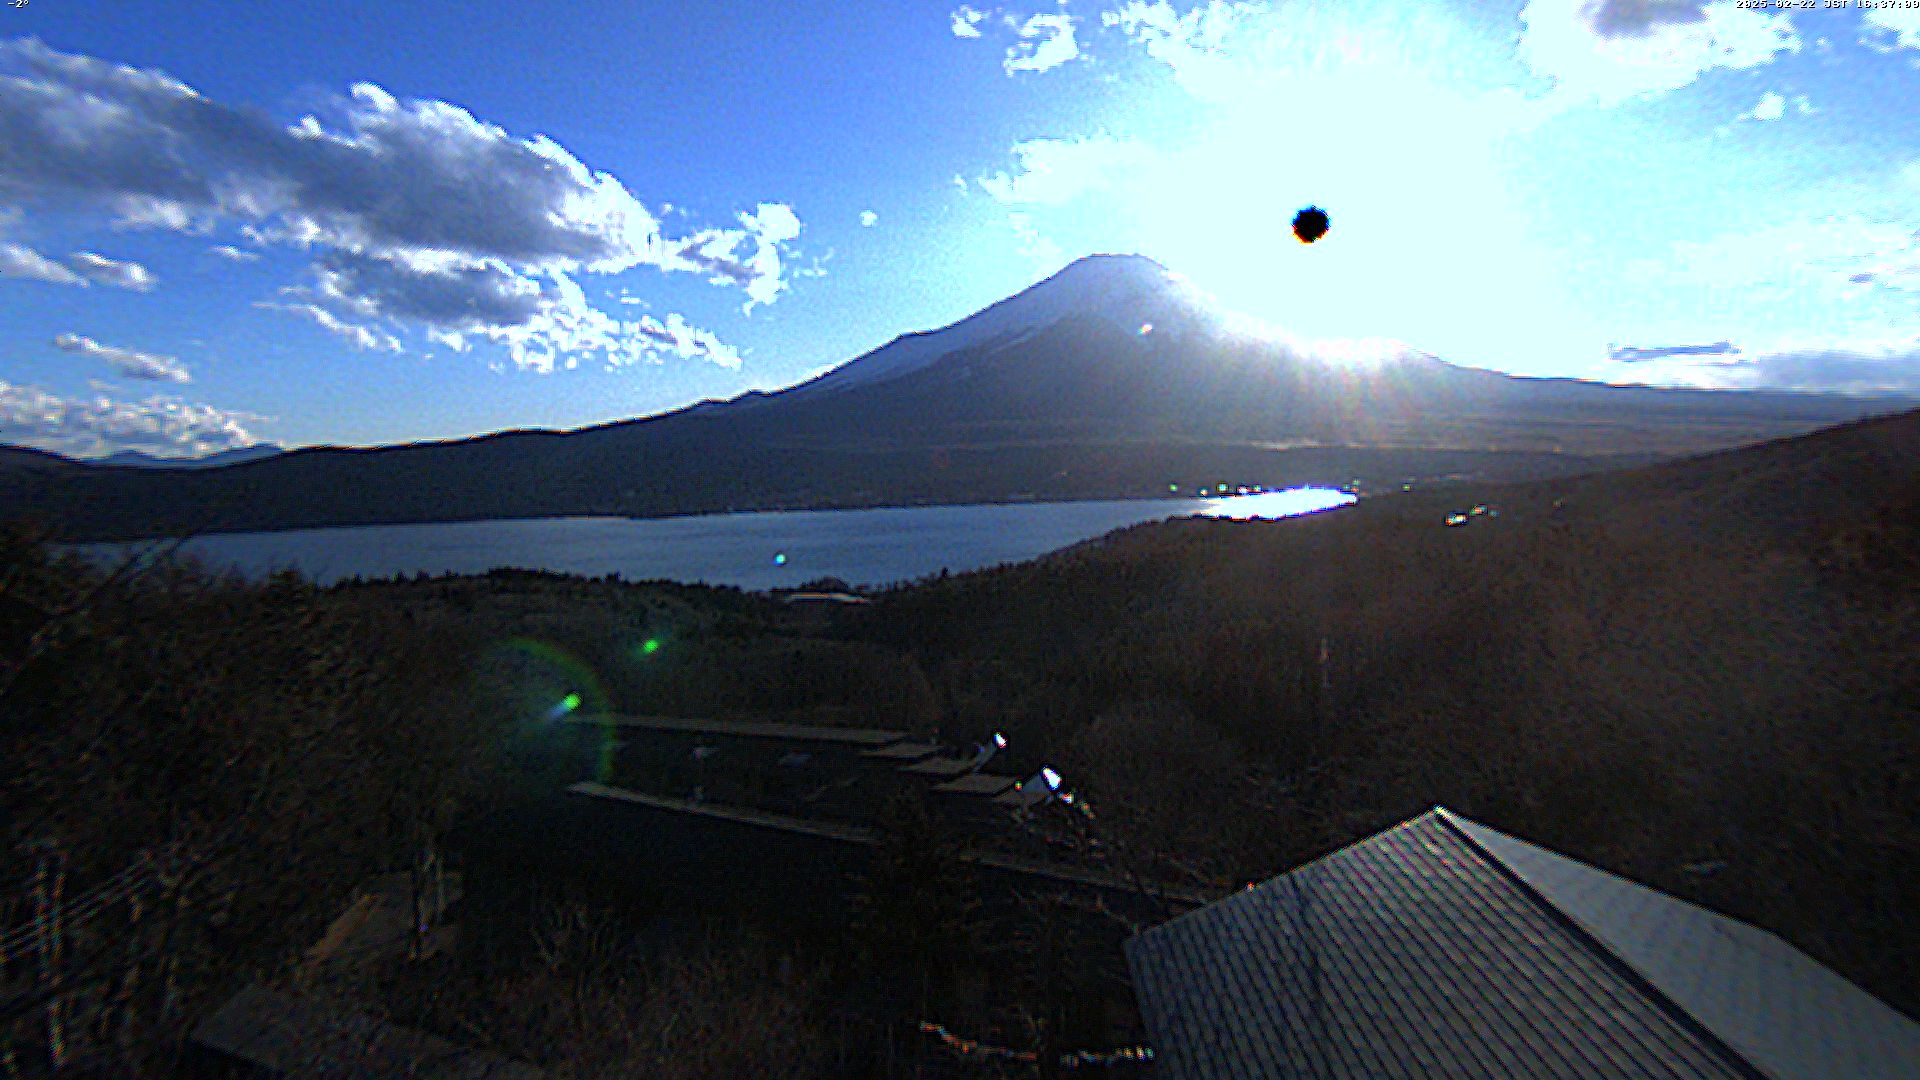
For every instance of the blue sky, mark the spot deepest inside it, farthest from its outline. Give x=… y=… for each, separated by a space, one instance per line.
x=359 y=223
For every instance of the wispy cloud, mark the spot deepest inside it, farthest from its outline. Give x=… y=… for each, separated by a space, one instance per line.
x=1050 y=172
x=234 y=254
x=1807 y=257
x=121 y=274
x=1634 y=354
x=364 y=338
x=33 y=416
x=131 y=363
x=867 y=218
x=20 y=261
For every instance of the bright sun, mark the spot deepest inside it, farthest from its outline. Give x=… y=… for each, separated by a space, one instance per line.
x=1427 y=244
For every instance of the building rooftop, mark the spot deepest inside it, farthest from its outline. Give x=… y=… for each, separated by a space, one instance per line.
x=1443 y=948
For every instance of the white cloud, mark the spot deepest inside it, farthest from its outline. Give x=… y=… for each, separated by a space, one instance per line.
x=1863 y=367
x=1771 y=106
x=1168 y=34
x=966 y=22
x=1047 y=42
x=867 y=218
x=687 y=342
x=1195 y=44
x=87 y=427
x=360 y=337
x=1033 y=243
x=20 y=261
x=449 y=338
x=121 y=274
x=565 y=326
x=1889 y=28
x=1614 y=50
x=1051 y=172
x=424 y=186
x=131 y=363
x=234 y=254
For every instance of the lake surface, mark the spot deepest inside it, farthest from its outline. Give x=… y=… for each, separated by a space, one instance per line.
x=752 y=551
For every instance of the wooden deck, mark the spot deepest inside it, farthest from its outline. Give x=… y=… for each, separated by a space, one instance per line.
x=903 y=751
x=825 y=829
x=1024 y=797
x=748 y=729
x=940 y=766
x=976 y=784
x=856 y=835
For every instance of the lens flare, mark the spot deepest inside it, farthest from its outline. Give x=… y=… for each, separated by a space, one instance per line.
x=550 y=684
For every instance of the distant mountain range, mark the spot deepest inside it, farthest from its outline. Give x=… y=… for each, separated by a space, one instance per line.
x=137 y=460
x=1112 y=378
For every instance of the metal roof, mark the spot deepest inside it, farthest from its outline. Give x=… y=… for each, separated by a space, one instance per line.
x=1792 y=1017
x=1441 y=948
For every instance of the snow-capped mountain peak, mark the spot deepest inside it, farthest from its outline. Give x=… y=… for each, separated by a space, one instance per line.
x=1131 y=289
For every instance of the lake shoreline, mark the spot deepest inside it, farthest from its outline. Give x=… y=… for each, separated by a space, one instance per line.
x=756 y=549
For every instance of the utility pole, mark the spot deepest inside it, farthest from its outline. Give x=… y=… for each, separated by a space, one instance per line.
x=49 y=880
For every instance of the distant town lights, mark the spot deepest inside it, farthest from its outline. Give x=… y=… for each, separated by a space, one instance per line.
x=1052 y=778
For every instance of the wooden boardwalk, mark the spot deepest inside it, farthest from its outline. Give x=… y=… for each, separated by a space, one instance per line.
x=748 y=729
x=905 y=751
x=855 y=834
x=976 y=784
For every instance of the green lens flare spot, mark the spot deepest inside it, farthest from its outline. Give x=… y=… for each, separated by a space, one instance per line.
x=570 y=702
x=650 y=646
x=780 y=559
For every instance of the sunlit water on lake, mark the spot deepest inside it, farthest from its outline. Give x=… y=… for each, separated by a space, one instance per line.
x=752 y=551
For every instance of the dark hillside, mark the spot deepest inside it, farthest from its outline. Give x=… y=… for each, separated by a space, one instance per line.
x=1710 y=664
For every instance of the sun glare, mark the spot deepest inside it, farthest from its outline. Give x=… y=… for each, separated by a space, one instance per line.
x=1426 y=237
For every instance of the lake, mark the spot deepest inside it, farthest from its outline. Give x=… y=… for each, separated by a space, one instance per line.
x=752 y=551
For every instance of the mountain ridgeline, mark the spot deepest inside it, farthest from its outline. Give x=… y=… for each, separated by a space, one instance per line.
x=1113 y=378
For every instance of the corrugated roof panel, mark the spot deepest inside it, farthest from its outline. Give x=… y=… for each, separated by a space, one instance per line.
x=1407 y=955
x=1787 y=1014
